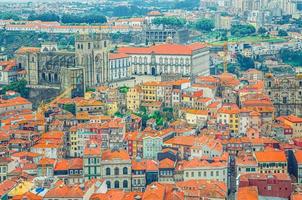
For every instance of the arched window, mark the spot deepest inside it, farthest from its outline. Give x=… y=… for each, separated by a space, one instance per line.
x=125 y=170
x=125 y=184
x=160 y=60
x=108 y=171
x=116 y=184
x=43 y=76
x=49 y=77
x=116 y=171
x=108 y=184
x=56 y=78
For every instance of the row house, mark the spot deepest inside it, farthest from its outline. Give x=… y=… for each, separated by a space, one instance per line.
x=183 y=144
x=206 y=146
x=216 y=169
x=271 y=161
x=153 y=142
x=269 y=185
x=228 y=115
x=70 y=171
x=134 y=143
x=236 y=145
x=116 y=169
x=144 y=172
x=294 y=122
x=91 y=161
x=10 y=72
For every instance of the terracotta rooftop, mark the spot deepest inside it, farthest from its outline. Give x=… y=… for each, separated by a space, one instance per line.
x=270 y=156
x=247 y=193
x=163 y=49
x=115 y=155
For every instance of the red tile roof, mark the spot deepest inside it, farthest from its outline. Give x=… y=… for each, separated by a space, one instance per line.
x=270 y=156
x=64 y=191
x=166 y=164
x=163 y=49
x=247 y=193
x=113 y=56
x=115 y=155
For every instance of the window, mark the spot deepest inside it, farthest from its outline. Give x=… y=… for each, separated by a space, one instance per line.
x=108 y=184
x=125 y=184
x=116 y=184
x=125 y=170
x=108 y=173
x=116 y=171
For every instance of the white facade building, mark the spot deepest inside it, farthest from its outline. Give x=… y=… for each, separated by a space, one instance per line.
x=169 y=58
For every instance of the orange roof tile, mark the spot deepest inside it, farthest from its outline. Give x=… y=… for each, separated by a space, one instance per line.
x=164 y=49
x=113 y=56
x=166 y=163
x=24 y=50
x=181 y=140
x=13 y=102
x=247 y=193
x=296 y=196
x=229 y=109
x=290 y=118
x=47 y=161
x=115 y=155
x=270 y=156
x=64 y=191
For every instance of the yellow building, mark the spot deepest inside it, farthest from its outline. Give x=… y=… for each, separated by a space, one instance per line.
x=134 y=97
x=88 y=105
x=196 y=117
x=228 y=115
x=112 y=108
x=89 y=95
x=21 y=188
x=149 y=91
x=73 y=141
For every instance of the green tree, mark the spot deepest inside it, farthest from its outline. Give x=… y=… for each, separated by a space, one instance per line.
x=282 y=33
x=291 y=57
x=169 y=21
x=244 y=62
x=18 y=86
x=204 y=25
x=262 y=31
x=48 y=17
x=7 y=15
x=242 y=30
x=70 y=108
x=187 y=4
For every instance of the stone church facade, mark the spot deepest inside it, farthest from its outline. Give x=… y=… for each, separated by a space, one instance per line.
x=87 y=66
x=286 y=93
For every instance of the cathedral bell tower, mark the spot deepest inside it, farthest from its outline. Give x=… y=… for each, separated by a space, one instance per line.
x=91 y=50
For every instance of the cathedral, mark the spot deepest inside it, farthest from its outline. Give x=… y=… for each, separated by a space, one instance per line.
x=87 y=66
